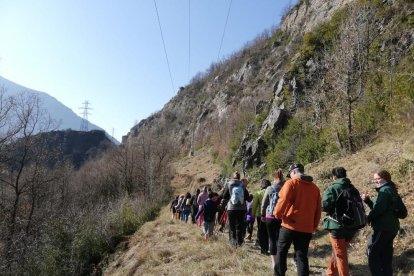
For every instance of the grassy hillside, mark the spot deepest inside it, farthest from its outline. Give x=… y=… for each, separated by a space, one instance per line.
x=167 y=247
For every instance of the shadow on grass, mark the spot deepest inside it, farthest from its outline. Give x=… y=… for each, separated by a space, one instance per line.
x=319 y=234
x=404 y=263
x=321 y=251
x=359 y=269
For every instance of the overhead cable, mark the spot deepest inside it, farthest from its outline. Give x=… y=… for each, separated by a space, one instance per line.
x=224 y=31
x=165 y=49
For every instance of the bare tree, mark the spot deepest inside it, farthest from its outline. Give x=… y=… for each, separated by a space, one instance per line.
x=350 y=64
x=23 y=168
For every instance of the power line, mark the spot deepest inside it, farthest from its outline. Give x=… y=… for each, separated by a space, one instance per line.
x=224 y=31
x=163 y=43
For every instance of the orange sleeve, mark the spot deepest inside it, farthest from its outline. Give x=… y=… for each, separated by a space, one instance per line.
x=283 y=202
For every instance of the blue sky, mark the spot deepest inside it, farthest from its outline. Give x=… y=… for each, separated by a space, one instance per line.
x=111 y=52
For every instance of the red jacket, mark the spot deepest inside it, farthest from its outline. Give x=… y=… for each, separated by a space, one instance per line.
x=299 y=205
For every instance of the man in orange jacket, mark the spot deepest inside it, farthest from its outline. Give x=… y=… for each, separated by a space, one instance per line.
x=299 y=208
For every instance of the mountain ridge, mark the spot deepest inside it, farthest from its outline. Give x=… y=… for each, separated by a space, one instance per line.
x=61 y=114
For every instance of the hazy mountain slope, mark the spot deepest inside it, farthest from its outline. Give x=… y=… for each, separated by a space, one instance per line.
x=61 y=114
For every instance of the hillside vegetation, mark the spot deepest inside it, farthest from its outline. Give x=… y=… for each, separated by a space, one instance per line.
x=170 y=247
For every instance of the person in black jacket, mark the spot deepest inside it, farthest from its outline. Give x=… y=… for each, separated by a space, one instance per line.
x=194 y=206
x=209 y=212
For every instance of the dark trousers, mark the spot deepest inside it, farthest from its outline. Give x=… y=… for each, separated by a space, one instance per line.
x=273 y=227
x=237 y=224
x=380 y=252
x=250 y=225
x=262 y=236
x=194 y=211
x=300 y=242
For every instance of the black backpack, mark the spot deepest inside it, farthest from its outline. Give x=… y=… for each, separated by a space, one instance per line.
x=399 y=208
x=349 y=209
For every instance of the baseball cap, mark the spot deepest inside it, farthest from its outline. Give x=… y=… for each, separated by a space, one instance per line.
x=295 y=166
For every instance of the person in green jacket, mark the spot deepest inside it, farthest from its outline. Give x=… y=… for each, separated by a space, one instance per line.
x=262 y=237
x=340 y=237
x=384 y=223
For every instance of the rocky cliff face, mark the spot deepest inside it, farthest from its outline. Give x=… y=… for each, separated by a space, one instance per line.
x=307 y=15
x=248 y=91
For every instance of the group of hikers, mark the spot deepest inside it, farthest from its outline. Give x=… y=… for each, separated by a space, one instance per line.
x=289 y=211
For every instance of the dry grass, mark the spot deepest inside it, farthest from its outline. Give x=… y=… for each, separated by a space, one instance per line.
x=195 y=172
x=166 y=247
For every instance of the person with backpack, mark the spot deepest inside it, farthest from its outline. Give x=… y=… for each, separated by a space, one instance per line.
x=262 y=238
x=268 y=205
x=236 y=194
x=202 y=197
x=384 y=223
x=339 y=194
x=299 y=208
x=186 y=207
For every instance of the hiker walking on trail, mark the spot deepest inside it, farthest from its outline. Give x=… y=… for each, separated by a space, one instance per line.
x=222 y=212
x=299 y=208
x=202 y=197
x=209 y=214
x=249 y=220
x=186 y=207
x=194 y=205
x=262 y=237
x=340 y=235
x=178 y=207
x=236 y=193
x=384 y=223
x=173 y=209
x=269 y=201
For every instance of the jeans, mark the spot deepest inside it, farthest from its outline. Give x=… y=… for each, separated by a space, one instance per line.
x=185 y=215
x=300 y=242
x=380 y=252
x=237 y=223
